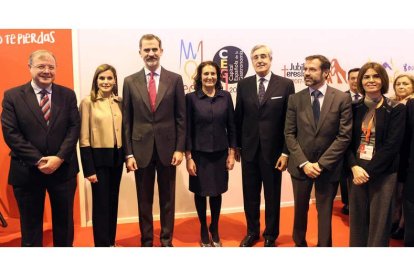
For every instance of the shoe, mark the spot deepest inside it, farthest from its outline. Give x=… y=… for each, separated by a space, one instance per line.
x=204 y=244
x=269 y=243
x=216 y=244
x=249 y=241
x=167 y=244
x=398 y=234
x=345 y=209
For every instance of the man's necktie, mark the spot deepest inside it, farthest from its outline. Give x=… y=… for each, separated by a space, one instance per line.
x=152 y=90
x=262 y=90
x=316 y=107
x=356 y=97
x=45 y=105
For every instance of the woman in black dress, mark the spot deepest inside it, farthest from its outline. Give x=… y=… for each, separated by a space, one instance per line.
x=210 y=146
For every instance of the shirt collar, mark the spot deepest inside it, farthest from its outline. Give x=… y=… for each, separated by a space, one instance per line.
x=37 y=89
x=267 y=77
x=321 y=89
x=115 y=98
x=200 y=94
x=157 y=71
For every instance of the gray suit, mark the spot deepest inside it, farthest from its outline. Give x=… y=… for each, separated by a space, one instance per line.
x=152 y=137
x=324 y=143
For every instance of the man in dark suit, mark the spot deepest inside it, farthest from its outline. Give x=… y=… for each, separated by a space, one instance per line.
x=40 y=122
x=318 y=131
x=260 y=118
x=154 y=136
x=346 y=176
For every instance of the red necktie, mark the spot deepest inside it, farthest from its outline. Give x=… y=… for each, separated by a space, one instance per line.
x=45 y=105
x=152 y=90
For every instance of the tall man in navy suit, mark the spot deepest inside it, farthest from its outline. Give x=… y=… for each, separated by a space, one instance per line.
x=41 y=124
x=260 y=119
x=154 y=136
x=318 y=131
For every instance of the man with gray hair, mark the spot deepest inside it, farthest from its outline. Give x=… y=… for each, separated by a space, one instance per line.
x=260 y=119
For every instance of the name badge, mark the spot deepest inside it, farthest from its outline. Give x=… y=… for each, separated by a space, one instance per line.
x=366 y=152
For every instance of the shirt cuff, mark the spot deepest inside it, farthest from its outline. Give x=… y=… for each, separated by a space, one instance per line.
x=303 y=164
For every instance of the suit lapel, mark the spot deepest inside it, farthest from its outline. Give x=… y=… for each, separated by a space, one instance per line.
x=273 y=85
x=56 y=107
x=162 y=89
x=29 y=97
x=326 y=106
x=254 y=97
x=140 y=82
x=306 y=103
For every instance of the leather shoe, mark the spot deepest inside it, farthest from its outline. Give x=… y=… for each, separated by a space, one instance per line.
x=205 y=244
x=249 y=241
x=167 y=244
x=269 y=243
x=345 y=209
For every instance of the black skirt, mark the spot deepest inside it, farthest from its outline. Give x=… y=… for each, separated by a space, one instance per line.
x=212 y=176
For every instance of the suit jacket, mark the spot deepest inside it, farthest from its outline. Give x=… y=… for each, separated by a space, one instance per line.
x=30 y=138
x=389 y=135
x=264 y=123
x=324 y=143
x=165 y=127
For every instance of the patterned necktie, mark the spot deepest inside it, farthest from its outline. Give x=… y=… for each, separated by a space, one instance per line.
x=262 y=90
x=152 y=90
x=316 y=107
x=356 y=97
x=45 y=105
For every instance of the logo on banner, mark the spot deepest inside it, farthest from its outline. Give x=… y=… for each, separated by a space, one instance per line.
x=234 y=65
x=191 y=54
x=294 y=71
x=337 y=75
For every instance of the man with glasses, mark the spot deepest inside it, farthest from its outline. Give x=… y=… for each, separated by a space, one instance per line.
x=41 y=125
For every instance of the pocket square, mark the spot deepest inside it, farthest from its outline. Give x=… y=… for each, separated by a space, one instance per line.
x=278 y=97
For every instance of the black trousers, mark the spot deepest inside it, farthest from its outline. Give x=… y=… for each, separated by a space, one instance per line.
x=254 y=173
x=145 y=181
x=324 y=193
x=343 y=184
x=370 y=211
x=408 y=205
x=105 y=195
x=30 y=199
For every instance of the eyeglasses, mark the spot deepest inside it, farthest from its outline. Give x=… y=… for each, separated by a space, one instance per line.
x=42 y=67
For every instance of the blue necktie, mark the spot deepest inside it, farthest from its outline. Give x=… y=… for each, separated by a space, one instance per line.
x=316 y=107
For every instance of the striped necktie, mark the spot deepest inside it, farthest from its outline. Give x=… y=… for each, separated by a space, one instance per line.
x=262 y=90
x=45 y=105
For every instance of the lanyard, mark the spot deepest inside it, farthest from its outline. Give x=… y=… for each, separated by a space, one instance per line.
x=367 y=130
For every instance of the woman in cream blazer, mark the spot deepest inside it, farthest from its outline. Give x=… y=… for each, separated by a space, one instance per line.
x=101 y=151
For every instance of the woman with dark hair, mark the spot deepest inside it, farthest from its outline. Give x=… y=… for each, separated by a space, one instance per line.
x=101 y=151
x=377 y=134
x=210 y=146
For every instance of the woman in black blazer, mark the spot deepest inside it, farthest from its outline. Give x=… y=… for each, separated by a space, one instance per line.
x=210 y=146
x=378 y=132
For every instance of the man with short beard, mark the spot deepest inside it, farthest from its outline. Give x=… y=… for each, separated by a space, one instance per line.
x=318 y=131
x=153 y=123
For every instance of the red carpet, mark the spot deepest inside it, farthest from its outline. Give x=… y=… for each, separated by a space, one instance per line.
x=186 y=233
